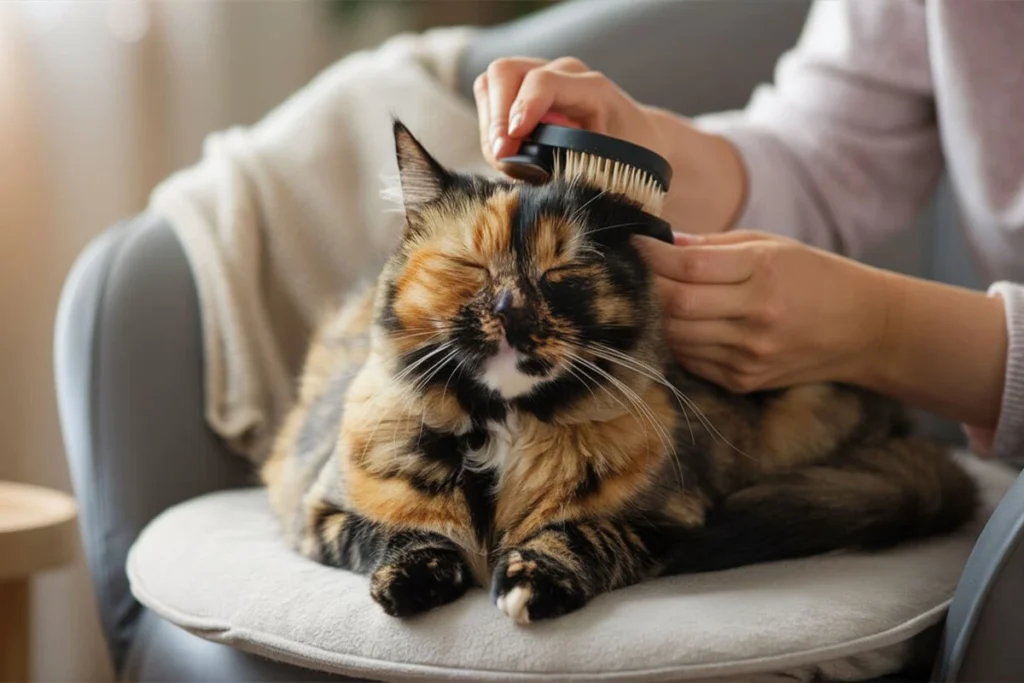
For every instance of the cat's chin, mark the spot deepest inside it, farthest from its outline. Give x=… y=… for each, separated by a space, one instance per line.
x=501 y=374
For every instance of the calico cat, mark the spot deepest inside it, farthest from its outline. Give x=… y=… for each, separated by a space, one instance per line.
x=499 y=410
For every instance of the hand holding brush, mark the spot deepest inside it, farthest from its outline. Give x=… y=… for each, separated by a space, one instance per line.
x=515 y=95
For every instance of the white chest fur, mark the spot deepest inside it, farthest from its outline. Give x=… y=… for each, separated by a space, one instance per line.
x=502 y=444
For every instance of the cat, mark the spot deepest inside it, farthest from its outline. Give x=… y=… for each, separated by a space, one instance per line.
x=498 y=409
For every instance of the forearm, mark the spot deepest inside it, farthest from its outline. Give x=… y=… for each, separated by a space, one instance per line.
x=839 y=152
x=944 y=349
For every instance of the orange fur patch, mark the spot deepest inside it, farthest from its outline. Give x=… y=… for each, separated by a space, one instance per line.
x=539 y=487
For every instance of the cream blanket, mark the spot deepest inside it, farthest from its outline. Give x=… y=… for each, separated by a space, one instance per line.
x=279 y=220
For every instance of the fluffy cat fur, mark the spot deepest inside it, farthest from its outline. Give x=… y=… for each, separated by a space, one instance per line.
x=498 y=409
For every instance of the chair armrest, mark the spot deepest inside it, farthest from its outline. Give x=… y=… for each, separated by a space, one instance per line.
x=689 y=56
x=982 y=641
x=128 y=364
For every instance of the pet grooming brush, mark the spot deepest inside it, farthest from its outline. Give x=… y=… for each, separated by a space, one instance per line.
x=606 y=163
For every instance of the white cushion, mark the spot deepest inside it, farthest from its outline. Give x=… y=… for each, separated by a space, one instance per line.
x=218 y=567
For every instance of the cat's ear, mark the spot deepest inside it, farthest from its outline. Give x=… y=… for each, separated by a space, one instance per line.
x=423 y=179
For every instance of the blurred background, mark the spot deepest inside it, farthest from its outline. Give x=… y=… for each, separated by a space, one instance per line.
x=99 y=101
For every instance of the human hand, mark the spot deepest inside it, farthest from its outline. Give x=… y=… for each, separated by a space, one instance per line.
x=753 y=311
x=515 y=94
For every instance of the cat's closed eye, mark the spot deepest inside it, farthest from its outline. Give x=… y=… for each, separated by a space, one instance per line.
x=473 y=265
x=559 y=273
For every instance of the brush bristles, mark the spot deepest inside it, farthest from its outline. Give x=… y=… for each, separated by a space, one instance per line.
x=612 y=177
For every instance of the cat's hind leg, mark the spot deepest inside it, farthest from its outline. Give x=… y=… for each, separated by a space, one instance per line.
x=871 y=498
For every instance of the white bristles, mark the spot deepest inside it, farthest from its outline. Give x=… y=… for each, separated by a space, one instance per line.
x=612 y=177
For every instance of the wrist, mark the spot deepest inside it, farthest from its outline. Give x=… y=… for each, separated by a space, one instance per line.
x=875 y=334
x=709 y=182
x=886 y=341
x=942 y=348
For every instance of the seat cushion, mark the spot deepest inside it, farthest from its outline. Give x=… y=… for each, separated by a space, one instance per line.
x=160 y=652
x=218 y=567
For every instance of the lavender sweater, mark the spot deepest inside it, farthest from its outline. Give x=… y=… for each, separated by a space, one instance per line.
x=875 y=100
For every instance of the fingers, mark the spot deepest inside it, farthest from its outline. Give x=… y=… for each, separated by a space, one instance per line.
x=483 y=115
x=694 y=333
x=496 y=89
x=721 y=374
x=728 y=264
x=501 y=124
x=688 y=301
x=566 y=86
x=728 y=237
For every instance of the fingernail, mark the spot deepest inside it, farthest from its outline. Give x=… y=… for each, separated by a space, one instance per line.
x=686 y=238
x=496 y=147
x=515 y=123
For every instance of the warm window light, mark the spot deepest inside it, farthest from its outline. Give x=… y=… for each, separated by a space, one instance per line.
x=128 y=20
x=43 y=15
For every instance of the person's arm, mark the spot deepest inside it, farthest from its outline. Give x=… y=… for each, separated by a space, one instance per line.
x=842 y=149
x=754 y=311
x=961 y=354
x=944 y=349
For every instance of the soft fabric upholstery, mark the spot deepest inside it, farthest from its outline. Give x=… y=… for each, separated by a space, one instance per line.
x=217 y=566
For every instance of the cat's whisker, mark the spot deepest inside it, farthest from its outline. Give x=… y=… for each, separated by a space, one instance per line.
x=683 y=406
x=603 y=228
x=637 y=400
x=652 y=374
x=457 y=369
x=641 y=419
x=635 y=365
x=405 y=406
x=646 y=410
x=437 y=367
x=572 y=371
x=579 y=212
x=641 y=405
x=414 y=335
x=684 y=400
x=412 y=367
x=631 y=411
x=649 y=372
x=600 y=386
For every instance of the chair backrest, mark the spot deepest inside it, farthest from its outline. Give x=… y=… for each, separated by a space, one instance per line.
x=129 y=380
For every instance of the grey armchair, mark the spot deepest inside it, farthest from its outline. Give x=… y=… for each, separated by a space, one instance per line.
x=129 y=359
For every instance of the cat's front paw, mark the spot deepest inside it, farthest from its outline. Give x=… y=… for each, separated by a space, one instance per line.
x=528 y=586
x=419 y=581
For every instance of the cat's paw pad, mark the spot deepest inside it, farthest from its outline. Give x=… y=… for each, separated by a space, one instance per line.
x=419 y=582
x=530 y=588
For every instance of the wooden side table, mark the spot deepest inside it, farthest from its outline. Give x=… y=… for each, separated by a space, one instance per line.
x=37 y=532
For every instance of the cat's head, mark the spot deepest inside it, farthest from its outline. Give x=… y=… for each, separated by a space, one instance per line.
x=521 y=290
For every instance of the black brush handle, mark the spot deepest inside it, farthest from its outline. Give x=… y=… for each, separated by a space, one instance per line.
x=654 y=227
x=604 y=146
x=535 y=163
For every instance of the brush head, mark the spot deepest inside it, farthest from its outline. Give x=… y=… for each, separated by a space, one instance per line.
x=607 y=163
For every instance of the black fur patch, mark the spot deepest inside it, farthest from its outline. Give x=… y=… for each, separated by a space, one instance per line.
x=548 y=398
x=478 y=488
x=388 y=319
x=590 y=483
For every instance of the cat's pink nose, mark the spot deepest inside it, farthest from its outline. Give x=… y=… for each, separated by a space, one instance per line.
x=503 y=305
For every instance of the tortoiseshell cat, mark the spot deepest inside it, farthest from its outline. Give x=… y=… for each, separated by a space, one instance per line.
x=499 y=410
